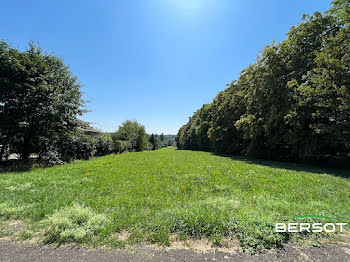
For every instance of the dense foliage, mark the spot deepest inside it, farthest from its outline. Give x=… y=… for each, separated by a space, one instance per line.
x=104 y=145
x=76 y=145
x=157 y=142
x=292 y=103
x=40 y=100
x=131 y=136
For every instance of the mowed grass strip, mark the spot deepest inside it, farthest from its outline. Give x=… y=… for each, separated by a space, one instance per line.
x=152 y=195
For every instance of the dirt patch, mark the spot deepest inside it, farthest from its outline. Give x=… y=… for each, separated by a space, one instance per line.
x=121 y=236
x=11 y=227
x=16 y=226
x=230 y=245
x=204 y=246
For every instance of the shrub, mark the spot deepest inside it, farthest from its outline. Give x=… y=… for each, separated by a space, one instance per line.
x=104 y=145
x=73 y=224
x=149 y=146
x=77 y=146
x=65 y=149
x=51 y=156
x=123 y=146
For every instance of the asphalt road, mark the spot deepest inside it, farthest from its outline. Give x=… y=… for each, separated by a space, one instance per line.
x=15 y=251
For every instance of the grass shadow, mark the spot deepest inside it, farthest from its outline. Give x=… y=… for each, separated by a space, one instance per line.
x=317 y=167
x=17 y=165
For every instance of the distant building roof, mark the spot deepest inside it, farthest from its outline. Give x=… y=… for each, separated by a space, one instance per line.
x=86 y=128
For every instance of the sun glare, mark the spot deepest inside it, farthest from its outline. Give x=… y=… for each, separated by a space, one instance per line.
x=188 y=4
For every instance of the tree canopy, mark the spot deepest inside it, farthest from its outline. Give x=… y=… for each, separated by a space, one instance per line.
x=131 y=136
x=292 y=103
x=40 y=99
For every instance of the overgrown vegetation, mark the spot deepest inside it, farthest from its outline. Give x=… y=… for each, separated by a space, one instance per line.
x=293 y=103
x=154 y=194
x=73 y=224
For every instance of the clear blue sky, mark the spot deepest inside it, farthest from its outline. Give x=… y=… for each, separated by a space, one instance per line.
x=156 y=61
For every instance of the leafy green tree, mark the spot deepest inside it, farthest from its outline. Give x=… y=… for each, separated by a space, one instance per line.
x=320 y=115
x=133 y=133
x=156 y=142
x=40 y=99
x=225 y=111
x=292 y=103
x=152 y=139
x=341 y=10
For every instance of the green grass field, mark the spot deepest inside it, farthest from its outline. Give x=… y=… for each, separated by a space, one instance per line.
x=150 y=196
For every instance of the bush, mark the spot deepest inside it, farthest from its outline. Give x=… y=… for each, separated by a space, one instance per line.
x=73 y=224
x=77 y=146
x=65 y=149
x=123 y=146
x=149 y=146
x=104 y=145
x=51 y=156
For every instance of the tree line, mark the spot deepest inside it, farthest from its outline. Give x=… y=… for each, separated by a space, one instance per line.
x=292 y=103
x=131 y=136
x=40 y=102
